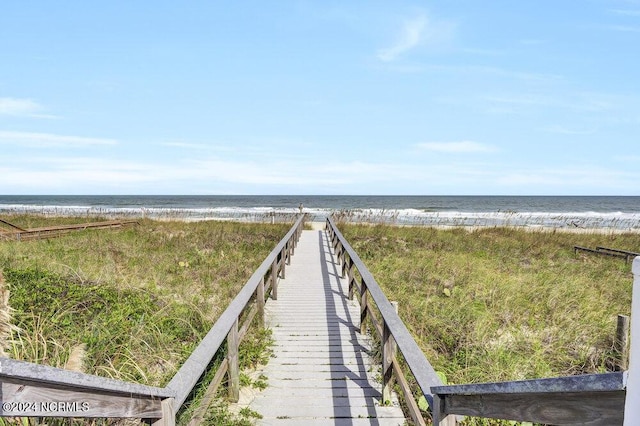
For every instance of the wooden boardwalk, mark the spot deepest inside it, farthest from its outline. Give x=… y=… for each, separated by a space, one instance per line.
x=321 y=372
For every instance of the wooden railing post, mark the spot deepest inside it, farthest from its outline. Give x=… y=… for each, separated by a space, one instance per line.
x=260 y=300
x=632 y=399
x=621 y=343
x=363 y=307
x=351 y=279
x=168 y=413
x=233 y=363
x=340 y=256
x=389 y=350
x=274 y=279
x=437 y=415
x=283 y=262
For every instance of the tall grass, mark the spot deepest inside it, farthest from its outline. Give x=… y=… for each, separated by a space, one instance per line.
x=128 y=303
x=497 y=304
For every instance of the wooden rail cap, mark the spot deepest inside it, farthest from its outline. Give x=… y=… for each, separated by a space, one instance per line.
x=591 y=399
x=38 y=390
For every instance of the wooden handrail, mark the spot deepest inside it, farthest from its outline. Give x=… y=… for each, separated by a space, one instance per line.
x=424 y=374
x=14 y=369
x=594 y=399
x=34 y=390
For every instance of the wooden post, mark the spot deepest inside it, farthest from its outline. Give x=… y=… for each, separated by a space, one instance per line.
x=389 y=349
x=622 y=343
x=437 y=415
x=233 y=362
x=343 y=268
x=632 y=399
x=340 y=254
x=168 y=414
x=351 y=280
x=363 y=307
x=274 y=279
x=260 y=299
x=283 y=262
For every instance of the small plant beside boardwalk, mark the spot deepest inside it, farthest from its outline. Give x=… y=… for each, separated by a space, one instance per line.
x=498 y=304
x=128 y=303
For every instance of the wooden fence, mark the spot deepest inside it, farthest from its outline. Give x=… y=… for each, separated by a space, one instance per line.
x=19 y=234
x=593 y=399
x=31 y=390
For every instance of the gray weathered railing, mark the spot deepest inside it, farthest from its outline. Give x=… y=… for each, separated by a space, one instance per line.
x=594 y=399
x=31 y=390
x=393 y=334
x=20 y=234
x=590 y=399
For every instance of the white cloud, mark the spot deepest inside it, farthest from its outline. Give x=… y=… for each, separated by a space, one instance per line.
x=185 y=145
x=568 y=131
x=583 y=102
x=624 y=28
x=410 y=36
x=455 y=147
x=22 y=108
x=571 y=177
x=415 y=32
x=225 y=175
x=78 y=174
x=43 y=140
x=13 y=106
x=626 y=12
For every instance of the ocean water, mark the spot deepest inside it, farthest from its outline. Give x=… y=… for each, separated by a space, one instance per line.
x=615 y=212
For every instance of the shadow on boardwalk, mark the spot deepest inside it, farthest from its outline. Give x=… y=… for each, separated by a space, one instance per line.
x=321 y=372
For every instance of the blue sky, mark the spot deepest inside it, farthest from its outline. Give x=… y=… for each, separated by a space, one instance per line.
x=320 y=97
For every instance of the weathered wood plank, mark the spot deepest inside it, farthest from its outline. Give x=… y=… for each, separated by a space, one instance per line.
x=320 y=359
x=601 y=252
x=587 y=382
x=590 y=399
x=11 y=369
x=627 y=252
x=558 y=408
x=233 y=361
x=35 y=399
x=412 y=406
x=168 y=413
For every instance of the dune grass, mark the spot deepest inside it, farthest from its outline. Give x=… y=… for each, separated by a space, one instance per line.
x=497 y=304
x=128 y=303
x=484 y=305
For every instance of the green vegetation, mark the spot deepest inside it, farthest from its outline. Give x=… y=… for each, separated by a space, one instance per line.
x=497 y=304
x=130 y=303
x=123 y=333
x=490 y=304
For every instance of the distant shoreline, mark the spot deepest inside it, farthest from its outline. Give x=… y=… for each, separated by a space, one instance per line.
x=548 y=212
